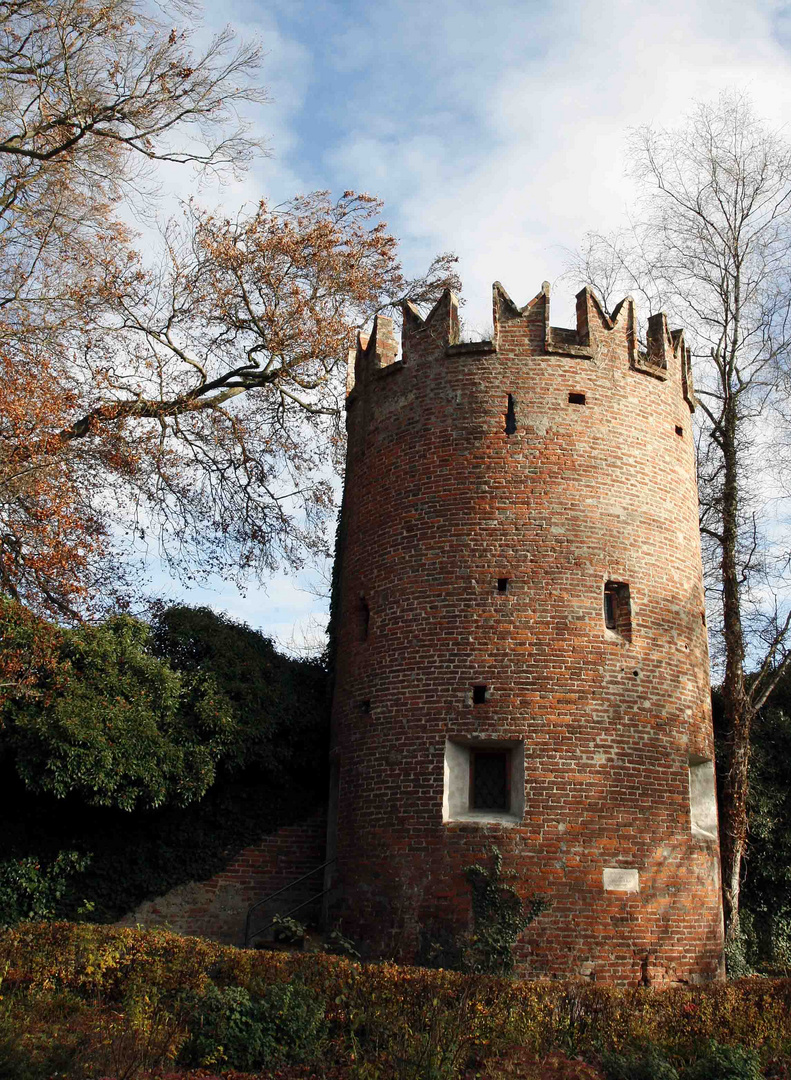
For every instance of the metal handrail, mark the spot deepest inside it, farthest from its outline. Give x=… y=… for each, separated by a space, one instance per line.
x=287 y=915
x=247 y=936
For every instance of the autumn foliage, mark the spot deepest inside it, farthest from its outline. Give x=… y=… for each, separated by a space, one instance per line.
x=344 y=1019
x=192 y=394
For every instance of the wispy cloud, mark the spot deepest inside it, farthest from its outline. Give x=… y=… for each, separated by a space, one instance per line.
x=496 y=130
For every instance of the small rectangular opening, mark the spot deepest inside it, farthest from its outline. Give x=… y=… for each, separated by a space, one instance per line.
x=365 y=706
x=479 y=694
x=679 y=429
x=490 y=780
x=502 y=584
x=481 y=788
x=702 y=797
x=618 y=608
x=365 y=618
x=510 y=416
x=610 y=620
x=576 y=399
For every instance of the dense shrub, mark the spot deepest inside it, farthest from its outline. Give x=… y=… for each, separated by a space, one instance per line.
x=231 y=1027
x=718 y=1062
x=30 y=890
x=142 y=854
x=279 y=704
x=114 y=724
x=381 y=1020
x=112 y=717
x=640 y=1065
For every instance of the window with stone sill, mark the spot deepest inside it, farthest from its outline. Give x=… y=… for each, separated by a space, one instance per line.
x=484 y=780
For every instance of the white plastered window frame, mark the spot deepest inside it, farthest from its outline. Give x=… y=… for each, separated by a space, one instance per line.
x=702 y=797
x=456 y=786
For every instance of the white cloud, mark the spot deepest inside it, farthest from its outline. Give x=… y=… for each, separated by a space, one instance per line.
x=496 y=130
x=530 y=151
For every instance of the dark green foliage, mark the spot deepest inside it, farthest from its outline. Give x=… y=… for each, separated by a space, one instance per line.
x=439 y=947
x=279 y=704
x=144 y=854
x=337 y=944
x=640 y=1065
x=718 y=1062
x=287 y=930
x=499 y=917
x=32 y=890
x=765 y=909
x=124 y=716
x=115 y=724
x=235 y=1029
x=766 y=892
x=710 y=1061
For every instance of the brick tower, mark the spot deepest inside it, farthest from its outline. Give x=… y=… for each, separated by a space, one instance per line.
x=522 y=649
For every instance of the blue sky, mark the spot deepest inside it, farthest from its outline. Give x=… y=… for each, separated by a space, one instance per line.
x=495 y=130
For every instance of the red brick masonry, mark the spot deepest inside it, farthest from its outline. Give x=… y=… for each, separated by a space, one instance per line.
x=217 y=908
x=441 y=501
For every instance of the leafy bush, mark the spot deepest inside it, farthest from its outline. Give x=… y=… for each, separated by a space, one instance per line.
x=142 y=854
x=117 y=725
x=288 y=931
x=279 y=704
x=337 y=944
x=30 y=890
x=162 y=751
x=230 y=1027
x=718 y=1062
x=645 y=1065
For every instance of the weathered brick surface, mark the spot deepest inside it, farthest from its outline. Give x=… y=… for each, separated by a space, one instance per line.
x=440 y=502
x=217 y=908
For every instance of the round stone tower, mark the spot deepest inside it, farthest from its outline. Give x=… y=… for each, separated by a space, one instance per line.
x=522 y=650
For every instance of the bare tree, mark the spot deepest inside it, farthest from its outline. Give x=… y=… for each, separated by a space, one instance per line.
x=710 y=243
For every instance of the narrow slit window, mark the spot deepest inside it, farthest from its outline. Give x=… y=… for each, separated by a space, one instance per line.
x=610 y=608
x=365 y=618
x=479 y=694
x=365 y=706
x=618 y=608
x=490 y=780
x=502 y=584
x=679 y=430
x=576 y=399
x=510 y=416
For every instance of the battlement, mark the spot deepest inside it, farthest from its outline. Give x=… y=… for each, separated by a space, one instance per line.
x=437 y=334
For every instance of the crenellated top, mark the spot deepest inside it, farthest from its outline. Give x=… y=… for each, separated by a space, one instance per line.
x=372 y=353
x=438 y=334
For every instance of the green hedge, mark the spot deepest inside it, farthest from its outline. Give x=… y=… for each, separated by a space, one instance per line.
x=376 y=1020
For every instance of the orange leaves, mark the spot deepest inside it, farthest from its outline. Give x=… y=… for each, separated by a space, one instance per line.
x=202 y=398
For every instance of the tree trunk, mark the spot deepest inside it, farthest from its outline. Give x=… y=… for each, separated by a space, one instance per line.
x=737 y=707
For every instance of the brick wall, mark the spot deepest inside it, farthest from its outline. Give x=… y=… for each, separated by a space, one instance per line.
x=441 y=501
x=217 y=908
